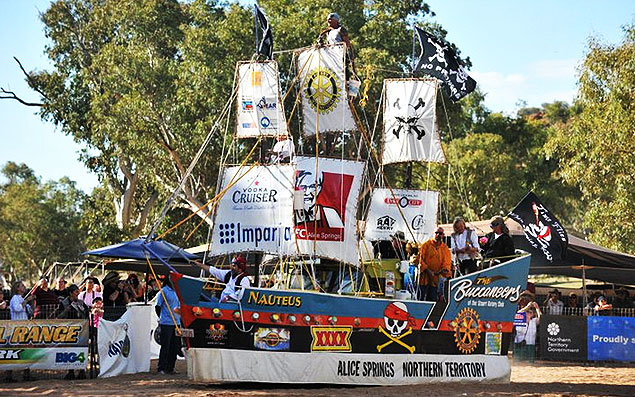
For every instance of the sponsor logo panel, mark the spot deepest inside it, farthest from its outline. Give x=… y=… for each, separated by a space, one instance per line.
x=277 y=339
x=327 y=338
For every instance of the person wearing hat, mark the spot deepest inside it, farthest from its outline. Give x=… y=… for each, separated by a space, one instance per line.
x=526 y=327
x=116 y=291
x=235 y=278
x=435 y=261
x=553 y=303
x=498 y=246
x=335 y=33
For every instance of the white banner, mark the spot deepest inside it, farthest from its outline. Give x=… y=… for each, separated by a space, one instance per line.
x=344 y=368
x=326 y=207
x=413 y=212
x=410 y=122
x=325 y=104
x=256 y=212
x=124 y=345
x=260 y=110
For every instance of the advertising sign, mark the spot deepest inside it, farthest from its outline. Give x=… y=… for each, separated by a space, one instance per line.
x=413 y=212
x=611 y=338
x=563 y=338
x=260 y=109
x=43 y=344
x=256 y=211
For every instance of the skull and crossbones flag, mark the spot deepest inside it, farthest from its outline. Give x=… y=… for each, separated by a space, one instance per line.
x=439 y=60
x=265 y=47
x=543 y=231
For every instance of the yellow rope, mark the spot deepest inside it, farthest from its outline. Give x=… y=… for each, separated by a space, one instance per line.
x=178 y=329
x=367 y=81
x=215 y=198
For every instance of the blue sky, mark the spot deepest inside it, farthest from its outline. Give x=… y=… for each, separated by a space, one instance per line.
x=520 y=50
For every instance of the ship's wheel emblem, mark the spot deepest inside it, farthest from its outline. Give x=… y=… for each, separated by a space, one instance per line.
x=322 y=90
x=466 y=330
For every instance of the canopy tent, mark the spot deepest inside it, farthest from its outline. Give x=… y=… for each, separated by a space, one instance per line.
x=138 y=251
x=597 y=263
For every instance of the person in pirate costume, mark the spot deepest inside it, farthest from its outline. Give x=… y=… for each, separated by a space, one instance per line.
x=235 y=278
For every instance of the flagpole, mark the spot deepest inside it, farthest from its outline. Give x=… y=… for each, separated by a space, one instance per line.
x=256 y=25
x=413 y=49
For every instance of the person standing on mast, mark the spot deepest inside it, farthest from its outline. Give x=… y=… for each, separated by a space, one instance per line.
x=335 y=33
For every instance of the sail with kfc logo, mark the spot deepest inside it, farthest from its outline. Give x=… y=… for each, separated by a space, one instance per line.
x=325 y=207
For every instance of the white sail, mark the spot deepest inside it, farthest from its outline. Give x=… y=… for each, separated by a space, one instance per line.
x=259 y=108
x=325 y=106
x=413 y=212
x=326 y=206
x=256 y=211
x=410 y=122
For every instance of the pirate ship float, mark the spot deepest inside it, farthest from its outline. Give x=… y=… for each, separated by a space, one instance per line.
x=323 y=308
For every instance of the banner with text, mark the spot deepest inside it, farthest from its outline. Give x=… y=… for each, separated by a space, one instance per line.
x=256 y=211
x=344 y=368
x=611 y=338
x=563 y=338
x=43 y=344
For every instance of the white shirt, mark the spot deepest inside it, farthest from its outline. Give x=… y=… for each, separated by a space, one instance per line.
x=527 y=333
x=230 y=290
x=283 y=150
x=554 y=308
x=18 y=311
x=334 y=36
x=88 y=297
x=458 y=241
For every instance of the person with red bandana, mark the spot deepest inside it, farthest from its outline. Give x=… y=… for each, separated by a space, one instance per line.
x=235 y=278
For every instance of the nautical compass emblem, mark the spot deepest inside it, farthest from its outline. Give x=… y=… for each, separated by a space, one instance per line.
x=466 y=330
x=396 y=320
x=322 y=90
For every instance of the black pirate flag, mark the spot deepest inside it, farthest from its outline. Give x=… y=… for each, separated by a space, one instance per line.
x=543 y=231
x=440 y=61
x=265 y=47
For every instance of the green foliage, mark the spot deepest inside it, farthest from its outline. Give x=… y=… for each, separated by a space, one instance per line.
x=594 y=148
x=38 y=221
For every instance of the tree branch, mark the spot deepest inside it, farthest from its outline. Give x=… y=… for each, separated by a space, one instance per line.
x=4 y=94
x=32 y=82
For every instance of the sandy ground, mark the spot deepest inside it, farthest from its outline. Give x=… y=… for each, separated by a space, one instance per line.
x=539 y=379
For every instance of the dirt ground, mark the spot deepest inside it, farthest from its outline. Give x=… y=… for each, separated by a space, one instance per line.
x=539 y=379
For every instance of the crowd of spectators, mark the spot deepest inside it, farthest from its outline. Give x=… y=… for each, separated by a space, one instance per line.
x=41 y=301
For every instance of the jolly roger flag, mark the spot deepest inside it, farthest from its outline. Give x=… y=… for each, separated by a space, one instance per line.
x=543 y=231
x=265 y=47
x=440 y=61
